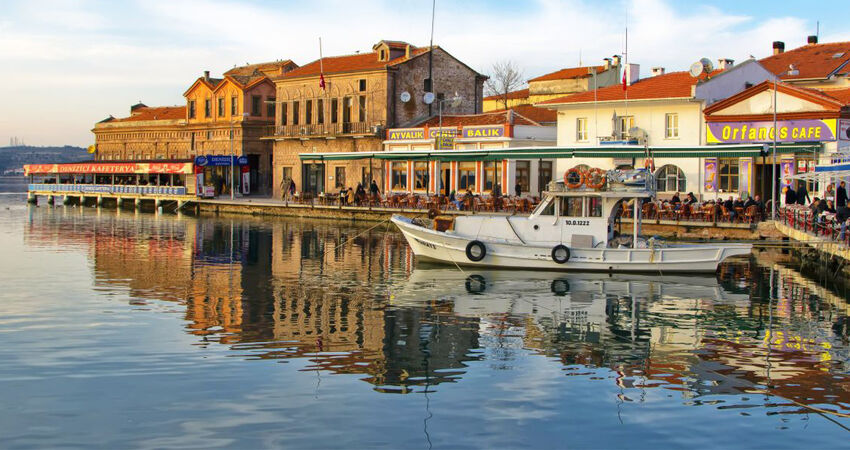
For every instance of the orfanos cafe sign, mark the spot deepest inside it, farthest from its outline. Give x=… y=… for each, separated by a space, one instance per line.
x=804 y=130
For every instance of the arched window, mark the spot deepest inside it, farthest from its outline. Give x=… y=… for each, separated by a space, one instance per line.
x=670 y=179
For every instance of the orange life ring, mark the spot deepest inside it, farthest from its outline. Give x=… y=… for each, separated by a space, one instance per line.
x=573 y=173
x=595 y=173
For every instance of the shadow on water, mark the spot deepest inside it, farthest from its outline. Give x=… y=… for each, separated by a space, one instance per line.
x=350 y=300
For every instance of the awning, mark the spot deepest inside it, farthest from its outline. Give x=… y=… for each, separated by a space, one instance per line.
x=607 y=151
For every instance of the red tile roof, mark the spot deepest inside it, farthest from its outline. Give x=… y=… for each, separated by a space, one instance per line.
x=513 y=95
x=250 y=69
x=669 y=85
x=812 y=60
x=359 y=62
x=155 y=113
x=488 y=118
x=569 y=73
x=539 y=115
x=842 y=95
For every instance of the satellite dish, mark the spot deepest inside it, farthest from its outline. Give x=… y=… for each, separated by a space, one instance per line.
x=405 y=97
x=696 y=69
x=429 y=98
x=707 y=66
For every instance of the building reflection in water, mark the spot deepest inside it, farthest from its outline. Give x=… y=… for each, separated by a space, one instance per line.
x=348 y=300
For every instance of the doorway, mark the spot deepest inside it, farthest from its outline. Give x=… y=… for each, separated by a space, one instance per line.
x=254 y=171
x=764 y=180
x=446 y=182
x=314 y=177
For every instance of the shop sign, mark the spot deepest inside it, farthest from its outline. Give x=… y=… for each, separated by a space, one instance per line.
x=436 y=132
x=844 y=129
x=405 y=134
x=220 y=160
x=710 y=173
x=489 y=131
x=805 y=130
x=787 y=169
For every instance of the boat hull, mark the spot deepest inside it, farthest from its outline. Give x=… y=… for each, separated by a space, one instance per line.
x=448 y=248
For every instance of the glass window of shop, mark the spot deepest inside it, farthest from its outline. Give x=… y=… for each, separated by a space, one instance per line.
x=728 y=175
x=523 y=175
x=420 y=175
x=492 y=175
x=594 y=207
x=398 y=174
x=339 y=177
x=670 y=178
x=544 y=174
x=466 y=176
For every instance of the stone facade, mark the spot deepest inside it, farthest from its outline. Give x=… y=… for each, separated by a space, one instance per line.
x=360 y=99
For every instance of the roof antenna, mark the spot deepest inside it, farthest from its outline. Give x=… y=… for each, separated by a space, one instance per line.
x=579 y=57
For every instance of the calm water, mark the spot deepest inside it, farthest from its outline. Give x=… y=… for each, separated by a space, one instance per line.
x=135 y=330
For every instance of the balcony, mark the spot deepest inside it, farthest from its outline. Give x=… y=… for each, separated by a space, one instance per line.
x=325 y=130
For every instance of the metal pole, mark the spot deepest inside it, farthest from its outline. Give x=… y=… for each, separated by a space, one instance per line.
x=232 y=174
x=773 y=195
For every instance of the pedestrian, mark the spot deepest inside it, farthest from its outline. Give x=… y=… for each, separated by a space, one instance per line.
x=841 y=195
x=803 y=194
x=518 y=189
x=790 y=195
x=373 y=188
x=291 y=189
x=350 y=195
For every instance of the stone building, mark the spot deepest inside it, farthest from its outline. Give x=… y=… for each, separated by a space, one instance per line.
x=241 y=104
x=344 y=104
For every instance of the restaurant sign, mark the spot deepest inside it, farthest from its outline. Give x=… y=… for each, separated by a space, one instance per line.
x=804 y=130
x=220 y=160
x=489 y=131
x=108 y=168
x=405 y=134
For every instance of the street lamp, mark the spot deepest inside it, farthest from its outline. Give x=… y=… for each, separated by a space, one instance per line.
x=792 y=71
x=232 y=156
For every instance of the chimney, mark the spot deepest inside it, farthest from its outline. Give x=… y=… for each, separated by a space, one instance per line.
x=616 y=60
x=207 y=76
x=657 y=71
x=725 y=63
x=778 y=47
x=632 y=73
x=606 y=63
x=813 y=39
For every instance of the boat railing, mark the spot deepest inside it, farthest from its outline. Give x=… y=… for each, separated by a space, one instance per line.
x=627 y=181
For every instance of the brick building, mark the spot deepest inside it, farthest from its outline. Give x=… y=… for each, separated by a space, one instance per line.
x=361 y=96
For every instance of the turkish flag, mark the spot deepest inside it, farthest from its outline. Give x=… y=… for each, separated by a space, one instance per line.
x=624 y=79
x=322 y=80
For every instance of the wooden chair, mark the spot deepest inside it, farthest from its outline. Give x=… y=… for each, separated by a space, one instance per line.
x=649 y=210
x=752 y=214
x=725 y=215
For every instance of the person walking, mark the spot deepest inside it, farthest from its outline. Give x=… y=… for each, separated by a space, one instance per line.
x=841 y=195
x=803 y=195
x=518 y=189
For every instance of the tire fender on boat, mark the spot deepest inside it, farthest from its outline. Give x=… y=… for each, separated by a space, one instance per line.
x=560 y=253
x=482 y=251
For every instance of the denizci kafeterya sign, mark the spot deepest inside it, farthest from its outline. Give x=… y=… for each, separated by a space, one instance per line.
x=805 y=130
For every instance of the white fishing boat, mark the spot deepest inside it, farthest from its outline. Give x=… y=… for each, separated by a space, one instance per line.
x=571 y=229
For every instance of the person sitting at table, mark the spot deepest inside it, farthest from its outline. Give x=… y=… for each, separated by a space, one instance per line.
x=821 y=207
x=690 y=199
x=349 y=194
x=813 y=207
x=675 y=200
x=830 y=207
x=841 y=217
x=730 y=207
x=342 y=192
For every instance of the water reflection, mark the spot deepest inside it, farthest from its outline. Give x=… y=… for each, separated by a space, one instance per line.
x=348 y=300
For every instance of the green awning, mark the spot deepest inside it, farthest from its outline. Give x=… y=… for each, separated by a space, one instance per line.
x=602 y=151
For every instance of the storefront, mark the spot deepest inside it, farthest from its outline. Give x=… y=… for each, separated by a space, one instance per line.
x=810 y=126
x=216 y=174
x=444 y=173
x=147 y=178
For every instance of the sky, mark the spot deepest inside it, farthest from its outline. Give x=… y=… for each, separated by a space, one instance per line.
x=68 y=64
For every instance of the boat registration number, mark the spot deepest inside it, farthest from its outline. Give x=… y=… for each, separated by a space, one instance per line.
x=427 y=244
x=581 y=223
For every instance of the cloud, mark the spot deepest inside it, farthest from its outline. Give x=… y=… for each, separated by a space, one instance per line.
x=89 y=59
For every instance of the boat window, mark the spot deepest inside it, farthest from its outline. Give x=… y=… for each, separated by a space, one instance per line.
x=594 y=207
x=547 y=208
x=571 y=206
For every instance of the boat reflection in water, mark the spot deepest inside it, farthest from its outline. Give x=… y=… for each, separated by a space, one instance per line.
x=348 y=300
